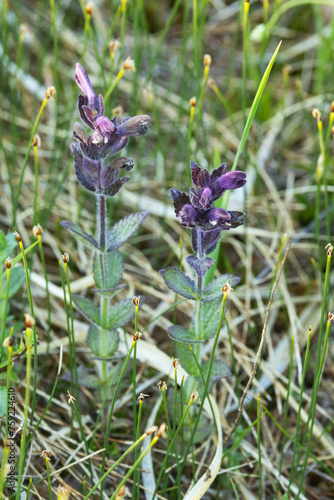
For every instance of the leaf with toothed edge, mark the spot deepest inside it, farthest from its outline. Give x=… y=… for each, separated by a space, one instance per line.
x=94 y=340
x=113 y=264
x=89 y=310
x=123 y=230
x=201 y=266
x=208 y=319
x=179 y=282
x=180 y=334
x=81 y=235
x=214 y=290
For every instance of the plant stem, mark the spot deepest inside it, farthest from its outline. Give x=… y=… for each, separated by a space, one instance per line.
x=102 y=240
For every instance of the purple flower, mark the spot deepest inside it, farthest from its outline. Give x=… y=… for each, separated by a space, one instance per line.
x=109 y=136
x=197 y=209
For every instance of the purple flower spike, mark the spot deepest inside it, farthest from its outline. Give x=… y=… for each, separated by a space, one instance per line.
x=84 y=84
x=197 y=209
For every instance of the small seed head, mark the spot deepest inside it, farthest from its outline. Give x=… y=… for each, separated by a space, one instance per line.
x=114 y=45
x=161 y=431
x=123 y=492
x=63 y=492
x=129 y=64
x=162 y=385
x=329 y=249
x=8 y=341
x=211 y=83
x=136 y=300
x=176 y=362
x=70 y=398
x=36 y=141
x=192 y=102
x=37 y=231
x=45 y=454
x=151 y=430
x=51 y=91
x=18 y=237
x=28 y=321
x=316 y=114
x=89 y=8
x=207 y=60
x=8 y=263
x=142 y=396
x=137 y=336
x=330 y=317
x=194 y=397
x=66 y=258
x=227 y=288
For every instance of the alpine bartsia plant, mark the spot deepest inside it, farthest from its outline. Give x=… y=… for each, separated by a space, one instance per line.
x=195 y=211
x=98 y=172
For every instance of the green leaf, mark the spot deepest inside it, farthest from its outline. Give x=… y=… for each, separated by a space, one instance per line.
x=121 y=313
x=89 y=310
x=17 y=277
x=219 y=370
x=122 y=231
x=209 y=319
x=214 y=290
x=179 y=282
x=94 y=340
x=180 y=334
x=2 y=240
x=81 y=235
x=109 y=292
x=113 y=262
x=187 y=359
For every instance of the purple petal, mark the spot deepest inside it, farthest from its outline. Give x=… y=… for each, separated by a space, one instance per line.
x=201 y=266
x=136 y=125
x=104 y=125
x=86 y=170
x=188 y=215
x=210 y=240
x=194 y=198
x=232 y=180
x=218 y=172
x=195 y=170
x=237 y=218
x=84 y=84
x=203 y=178
x=108 y=177
x=113 y=189
x=82 y=101
x=179 y=199
x=205 y=195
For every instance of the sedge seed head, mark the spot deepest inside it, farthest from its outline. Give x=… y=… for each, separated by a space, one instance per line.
x=211 y=83
x=129 y=64
x=36 y=141
x=8 y=263
x=162 y=430
x=70 y=398
x=329 y=249
x=18 y=237
x=136 y=300
x=8 y=341
x=45 y=454
x=194 y=397
x=142 y=396
x=176 y=362
x=137 y=336
x=162 y=385
x=50 y=92
x=192 y=102
x=63 y=492
x=316 y=114
x=114 y=45
x=330 y=317
x=37 y=230
x=28 y=321
x=227 y=288
x=207 y=60
x=151 y=430
x=66 y=258
x=89 y=8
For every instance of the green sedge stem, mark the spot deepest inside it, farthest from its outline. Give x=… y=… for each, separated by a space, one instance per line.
x=134 y=391
x=113 y=404
x=33 y=403
x=49 y=478
x=135 y=465
x=26 y=158
x=48 y=301
x=136 y=474
x=106 y=474
x=258 y=420
x=245 y=58
x=206 y=387
x=3 y=332
x=313 y=407
x=293 y=468
x=286 y=410
x=36 y=208
x=170 y=447
x=25 y=414
x=71 y=333
x=83 y=437
x=68 y=323
x=2 y=472
x=113 y=85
